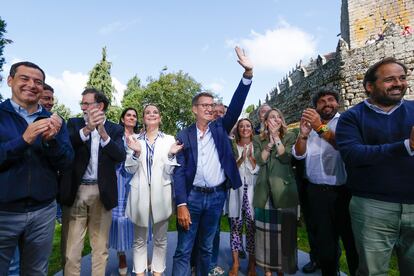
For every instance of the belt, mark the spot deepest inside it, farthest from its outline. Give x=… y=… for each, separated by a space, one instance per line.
x=209 y=190
x=89 y=182
x=326 y=187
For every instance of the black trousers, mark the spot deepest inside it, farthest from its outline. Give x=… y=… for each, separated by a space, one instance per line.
x=329 y=212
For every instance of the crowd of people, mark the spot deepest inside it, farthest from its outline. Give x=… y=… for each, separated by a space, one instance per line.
x=120 y=183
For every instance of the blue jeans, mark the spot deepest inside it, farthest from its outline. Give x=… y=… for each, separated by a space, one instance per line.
x=33 y=231
x=378 y=228
x=14 y=269
x=205 y=211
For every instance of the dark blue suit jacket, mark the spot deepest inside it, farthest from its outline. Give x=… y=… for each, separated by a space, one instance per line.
x=220 y=128
x=109 y=157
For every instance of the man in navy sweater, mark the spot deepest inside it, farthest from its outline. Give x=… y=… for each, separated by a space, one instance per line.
x=376 y=142
x=34 y=145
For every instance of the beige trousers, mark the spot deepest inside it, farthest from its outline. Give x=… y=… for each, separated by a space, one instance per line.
x=159 y=239
x=86 y=213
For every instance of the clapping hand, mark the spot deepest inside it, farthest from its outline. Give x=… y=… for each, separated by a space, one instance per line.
x=95 y=117
x=55 y=123
x=305 y=127
x=176 y=147
x=134 y=144
x=312 y=117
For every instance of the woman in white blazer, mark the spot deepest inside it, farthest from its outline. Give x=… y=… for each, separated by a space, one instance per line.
x=151 y=160
x=240 y=201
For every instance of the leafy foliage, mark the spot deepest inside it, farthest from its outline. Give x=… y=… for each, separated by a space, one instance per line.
x=3 y=42
x=62 y=110
x=172 y=93
x=100 y=78
x=250 y=108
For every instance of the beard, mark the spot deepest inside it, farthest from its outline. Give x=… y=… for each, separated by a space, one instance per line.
x=327 y=116
x=386 y=100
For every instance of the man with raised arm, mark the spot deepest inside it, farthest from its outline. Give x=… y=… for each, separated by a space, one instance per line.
x=207 y=170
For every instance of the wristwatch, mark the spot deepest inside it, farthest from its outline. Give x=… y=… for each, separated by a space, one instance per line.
x=322 y=129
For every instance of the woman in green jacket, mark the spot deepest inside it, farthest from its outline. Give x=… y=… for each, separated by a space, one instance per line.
x=275 y=197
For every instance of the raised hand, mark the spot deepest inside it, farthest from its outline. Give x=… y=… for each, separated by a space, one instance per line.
x=95 y=118
x=244 y=152
x=176 y=147
x=35 y=129
x=134 y=144
x=245 y=62
x=305 y=127
x=312 y=117
x=55 y=123
x=250 y=150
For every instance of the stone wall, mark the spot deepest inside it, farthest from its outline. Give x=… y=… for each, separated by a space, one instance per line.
x=343 y=71
x=362 y=20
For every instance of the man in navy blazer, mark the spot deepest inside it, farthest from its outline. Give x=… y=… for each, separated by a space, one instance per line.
x=207 y=169
x=88 y=190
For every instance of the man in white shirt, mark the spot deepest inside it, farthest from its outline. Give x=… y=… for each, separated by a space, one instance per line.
x=88 y=191
x=327 y=195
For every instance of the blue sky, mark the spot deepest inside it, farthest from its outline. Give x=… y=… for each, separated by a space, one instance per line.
x=65 y=38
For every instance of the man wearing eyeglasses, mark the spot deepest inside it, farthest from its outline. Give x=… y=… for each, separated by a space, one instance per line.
x=34 y=145
x=89 y=189
x=207 y=170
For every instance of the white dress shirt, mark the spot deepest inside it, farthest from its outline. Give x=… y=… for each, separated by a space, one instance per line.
x=323 y=162
x=209 y=171
x=91 y=172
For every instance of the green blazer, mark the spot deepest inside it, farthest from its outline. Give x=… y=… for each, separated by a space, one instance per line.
x=276 y=177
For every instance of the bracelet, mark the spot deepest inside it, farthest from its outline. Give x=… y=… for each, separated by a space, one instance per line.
x=322 y=129
x=278 y=143
x=268 y=148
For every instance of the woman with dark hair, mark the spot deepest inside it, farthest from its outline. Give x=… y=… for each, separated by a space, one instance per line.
x=121 y=234
x=275 y=197
x=240 y=208
x=151 y=160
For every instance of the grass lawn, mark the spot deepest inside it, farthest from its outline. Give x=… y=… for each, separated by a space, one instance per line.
x=54 y=260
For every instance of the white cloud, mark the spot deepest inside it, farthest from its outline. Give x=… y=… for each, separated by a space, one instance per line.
x=217 y=86
x=117 y=26
x=69 y=86
x=278 y=49
x=120 y=89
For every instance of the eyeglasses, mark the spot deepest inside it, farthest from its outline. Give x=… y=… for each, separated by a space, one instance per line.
x=205 y=105
x=86 y=104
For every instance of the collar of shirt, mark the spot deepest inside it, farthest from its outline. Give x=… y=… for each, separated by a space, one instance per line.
x=143 y=136
x=24 y=114
x=379 y=110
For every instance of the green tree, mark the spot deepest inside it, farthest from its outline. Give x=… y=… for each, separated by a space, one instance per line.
x=62 y=110
x=3 y=42
x=100 y=78
x=172 y=93
x=133 y=85
x=250 y=108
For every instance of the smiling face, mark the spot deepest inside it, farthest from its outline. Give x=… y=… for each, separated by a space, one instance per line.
x=152 y=116
x=389 y=87
x=274 y=117
x=327 y=107
x=245 y=129
x=47 y=100
x=130 y=119
x=26 y=86
x=204 y=109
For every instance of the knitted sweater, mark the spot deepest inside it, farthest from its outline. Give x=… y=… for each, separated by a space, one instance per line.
x=372 y=146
